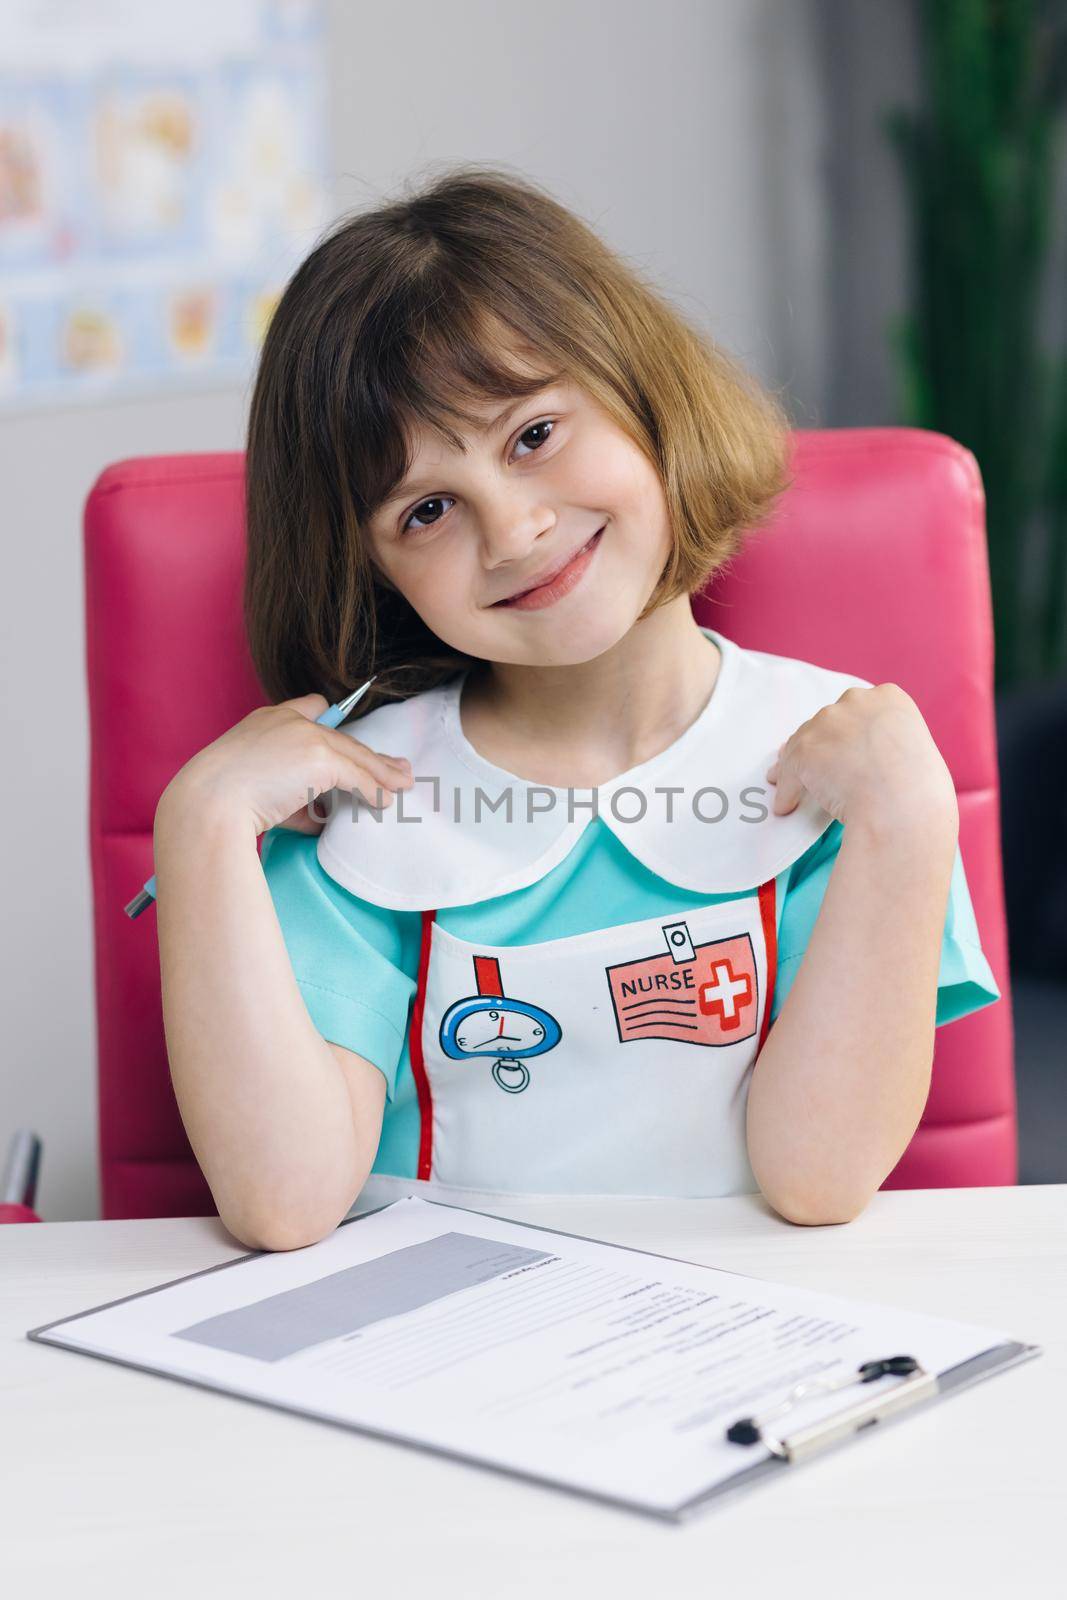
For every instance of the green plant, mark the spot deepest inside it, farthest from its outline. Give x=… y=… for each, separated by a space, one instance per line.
x=979 y=159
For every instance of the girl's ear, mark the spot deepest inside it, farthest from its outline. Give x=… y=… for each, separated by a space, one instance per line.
x=382 y=578
x=378 y=572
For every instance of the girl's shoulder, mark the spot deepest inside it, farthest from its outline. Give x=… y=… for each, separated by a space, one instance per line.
x=800 y=681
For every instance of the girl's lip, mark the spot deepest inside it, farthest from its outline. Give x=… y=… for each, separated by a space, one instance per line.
x=546 y=594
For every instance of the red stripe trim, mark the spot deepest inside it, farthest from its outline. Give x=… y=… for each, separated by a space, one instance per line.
x=418 y=1065
x=767 y=896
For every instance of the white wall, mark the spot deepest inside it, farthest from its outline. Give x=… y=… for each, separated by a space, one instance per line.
x=686 y=132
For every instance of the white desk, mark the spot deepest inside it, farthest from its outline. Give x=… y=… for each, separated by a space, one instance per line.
x=121 y=1482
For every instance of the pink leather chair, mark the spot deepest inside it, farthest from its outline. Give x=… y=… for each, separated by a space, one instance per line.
x=874 y=563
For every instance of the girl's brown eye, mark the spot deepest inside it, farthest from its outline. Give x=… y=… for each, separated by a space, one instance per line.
x=435 y=500
x=534 y=426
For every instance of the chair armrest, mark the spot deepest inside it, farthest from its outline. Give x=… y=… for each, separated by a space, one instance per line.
x=18 y=1184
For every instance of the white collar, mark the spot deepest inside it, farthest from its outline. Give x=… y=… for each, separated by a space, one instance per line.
x=438 y=845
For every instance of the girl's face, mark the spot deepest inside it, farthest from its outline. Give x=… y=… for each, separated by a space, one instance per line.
x=552 y=498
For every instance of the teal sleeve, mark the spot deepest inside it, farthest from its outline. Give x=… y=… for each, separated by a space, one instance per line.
x=354 y=962
x=965 y=982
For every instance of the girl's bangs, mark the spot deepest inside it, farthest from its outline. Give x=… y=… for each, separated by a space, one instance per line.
x=425 y=374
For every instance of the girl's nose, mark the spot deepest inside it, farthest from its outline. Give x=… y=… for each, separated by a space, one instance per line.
x=510 y=539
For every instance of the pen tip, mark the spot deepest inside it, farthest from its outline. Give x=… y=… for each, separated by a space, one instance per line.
x=347 y=704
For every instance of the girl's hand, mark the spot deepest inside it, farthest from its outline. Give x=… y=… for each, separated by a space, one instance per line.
x=869 y=755
x=266 y=764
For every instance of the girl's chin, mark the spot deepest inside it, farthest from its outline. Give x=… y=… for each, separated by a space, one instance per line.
x=582 y=634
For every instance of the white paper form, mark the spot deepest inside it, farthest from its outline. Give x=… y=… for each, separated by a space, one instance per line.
x=605 y=1369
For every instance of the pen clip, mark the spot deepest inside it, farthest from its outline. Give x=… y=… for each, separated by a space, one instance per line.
x=918 y=1384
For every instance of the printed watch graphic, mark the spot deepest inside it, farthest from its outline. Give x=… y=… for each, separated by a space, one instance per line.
x=491 y=1024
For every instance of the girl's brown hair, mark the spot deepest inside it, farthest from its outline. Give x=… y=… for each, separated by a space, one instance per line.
x=399 y=315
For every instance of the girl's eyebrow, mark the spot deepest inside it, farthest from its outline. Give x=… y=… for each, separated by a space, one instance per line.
x=485 y=428
x=481 y=429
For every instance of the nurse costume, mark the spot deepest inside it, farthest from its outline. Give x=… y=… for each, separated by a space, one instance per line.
x=566 y=990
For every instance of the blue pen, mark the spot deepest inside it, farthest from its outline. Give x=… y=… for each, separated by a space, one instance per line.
x=331 y=717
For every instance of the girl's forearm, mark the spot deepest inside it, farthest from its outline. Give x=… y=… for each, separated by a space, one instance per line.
x=261 y=1094
x=840 y=1084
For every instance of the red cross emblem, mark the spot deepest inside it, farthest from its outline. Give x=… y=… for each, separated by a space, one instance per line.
x=726 y=994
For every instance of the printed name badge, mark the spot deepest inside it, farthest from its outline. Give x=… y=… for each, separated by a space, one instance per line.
x=696 y=993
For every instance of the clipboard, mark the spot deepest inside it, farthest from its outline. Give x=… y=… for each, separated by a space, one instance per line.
x=917 y=1387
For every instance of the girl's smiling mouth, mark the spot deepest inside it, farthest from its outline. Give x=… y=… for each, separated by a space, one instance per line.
x=553 y=589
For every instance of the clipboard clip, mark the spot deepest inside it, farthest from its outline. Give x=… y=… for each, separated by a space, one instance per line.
x=919 y=1384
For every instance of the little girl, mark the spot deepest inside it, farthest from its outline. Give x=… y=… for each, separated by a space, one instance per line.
x=526 y=922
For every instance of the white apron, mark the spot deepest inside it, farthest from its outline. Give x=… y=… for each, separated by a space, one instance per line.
x=615 y=1061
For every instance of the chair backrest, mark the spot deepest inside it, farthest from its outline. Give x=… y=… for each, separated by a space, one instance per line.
x=874 y=563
